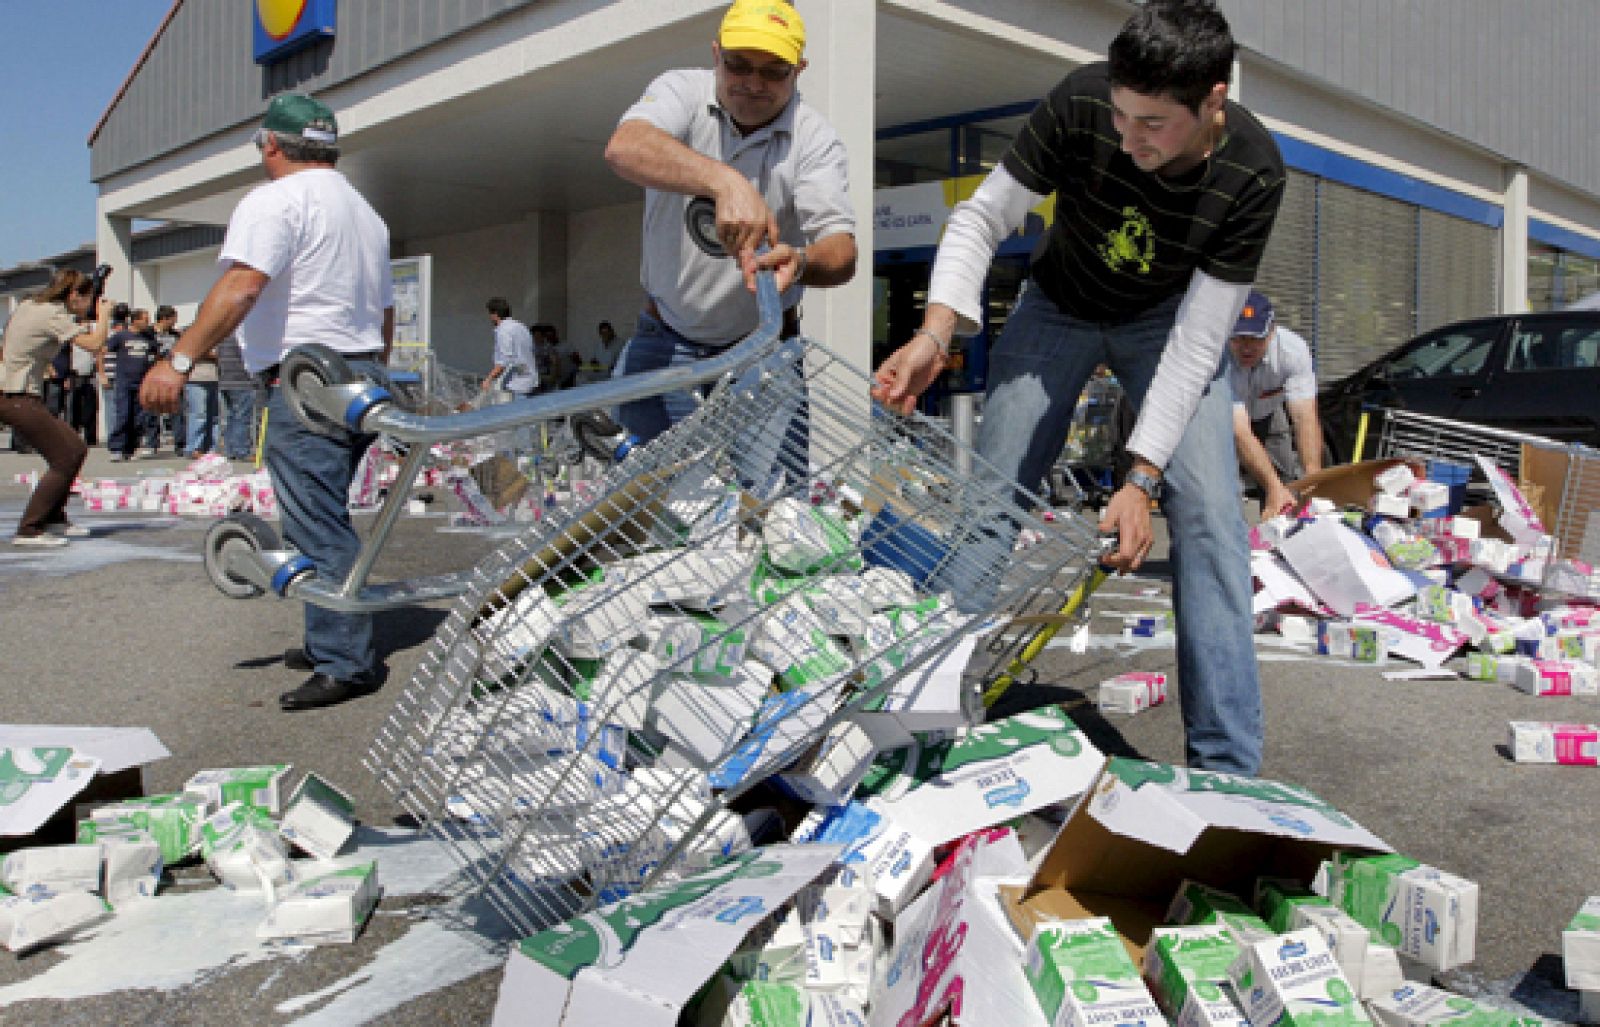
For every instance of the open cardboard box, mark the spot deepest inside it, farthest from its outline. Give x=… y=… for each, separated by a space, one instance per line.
x=119 y=756
x=1349 y=484
x=1143 y=828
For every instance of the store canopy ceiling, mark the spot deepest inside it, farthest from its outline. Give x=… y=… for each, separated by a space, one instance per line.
x=537 y=142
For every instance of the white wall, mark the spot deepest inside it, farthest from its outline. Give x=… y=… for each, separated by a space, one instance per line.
x=182 y=281
x=602 y=268
x=519 y=261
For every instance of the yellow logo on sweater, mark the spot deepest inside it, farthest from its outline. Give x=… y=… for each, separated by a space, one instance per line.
x=1133 y=243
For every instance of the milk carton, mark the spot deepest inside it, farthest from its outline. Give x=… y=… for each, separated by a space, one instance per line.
x=1132 y=692
x=1418 y=1005
x=1360 y=642
x=1486 y=667
x=1294 y=979
x=319 y=818
x=622 y=690
x=1580 y=947
x=54 y=868
x=172 y=820
x=1575 y=745
x=43 y=916
x=1556 y=677
x=132 y=869
x=829 y=773
x=1422 y=912
x=1081 y=974
x=1346 y=939
x=699 y=579
x=892 y=861
x=1197 y=903
x=1187 y=968
x=597 y=620
x=1394 y=481
x=261 y=787
x=1277 y=899
x=330 y=909
x=243 y=850
x=803 y=539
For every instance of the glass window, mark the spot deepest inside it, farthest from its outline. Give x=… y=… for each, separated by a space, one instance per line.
x=1555 y=346
x=1459 y=352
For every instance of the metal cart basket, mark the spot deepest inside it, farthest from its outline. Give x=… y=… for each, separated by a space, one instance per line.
x=780 y=571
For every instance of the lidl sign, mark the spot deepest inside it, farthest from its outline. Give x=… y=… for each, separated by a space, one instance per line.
x=284 y=26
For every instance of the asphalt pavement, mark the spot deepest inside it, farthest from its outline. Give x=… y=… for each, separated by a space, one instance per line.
x=124 y=629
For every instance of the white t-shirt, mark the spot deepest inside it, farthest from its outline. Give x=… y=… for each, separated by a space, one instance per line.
x=798 y=165
x=326 y=252
x=513 y=353
x=1285 y=372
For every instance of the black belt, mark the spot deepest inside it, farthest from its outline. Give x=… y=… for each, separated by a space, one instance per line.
x=269 y=377
x=791 y=318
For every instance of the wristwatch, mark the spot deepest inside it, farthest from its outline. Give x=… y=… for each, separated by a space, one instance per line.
x=1145 y=482
x=182 y=363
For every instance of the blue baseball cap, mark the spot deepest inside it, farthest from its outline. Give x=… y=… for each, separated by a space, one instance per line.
x=1255 y=320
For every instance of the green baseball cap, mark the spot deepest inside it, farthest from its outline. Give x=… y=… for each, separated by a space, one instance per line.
x=296 y=114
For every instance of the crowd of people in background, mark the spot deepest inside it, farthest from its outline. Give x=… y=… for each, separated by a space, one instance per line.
x=97 y=393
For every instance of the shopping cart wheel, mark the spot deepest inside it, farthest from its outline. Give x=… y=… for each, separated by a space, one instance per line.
x=237 y=533
x=597 y=434
x=325 y=367
x=700 y=218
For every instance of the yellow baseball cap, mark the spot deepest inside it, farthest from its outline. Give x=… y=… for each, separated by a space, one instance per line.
x=771 y=26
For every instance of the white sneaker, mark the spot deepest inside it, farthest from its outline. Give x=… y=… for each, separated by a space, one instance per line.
x=45 y=541
x=143 y=453
x=65 y=530
x=117 y=458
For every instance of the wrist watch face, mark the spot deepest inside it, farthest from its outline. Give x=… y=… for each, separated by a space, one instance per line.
x=1142 y=481
x=181 y=363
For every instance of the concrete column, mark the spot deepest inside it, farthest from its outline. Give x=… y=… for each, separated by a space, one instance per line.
x=840 y=81
x=1514 y=245
x=113 y=243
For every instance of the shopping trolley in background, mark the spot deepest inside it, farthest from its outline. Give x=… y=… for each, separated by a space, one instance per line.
x=616 y=681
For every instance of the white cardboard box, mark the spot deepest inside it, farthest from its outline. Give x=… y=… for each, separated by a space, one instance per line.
x=1341 y=569
x=318 y=818
x=330 y=909
x=639 y=961
x=261 y=787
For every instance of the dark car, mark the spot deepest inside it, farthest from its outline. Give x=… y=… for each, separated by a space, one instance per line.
x=1532 y=373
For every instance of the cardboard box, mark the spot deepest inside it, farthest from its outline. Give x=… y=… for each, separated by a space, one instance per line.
x=1580 y=947
x=1342 y=570
x=1418 y=910
x=1143 y=828
x=955 y=953
x=1517 y=516
x=261 y=787
x=318 y=818
x=121 y=752
x=639 y=961
x=1294 y=979
x=942 y=788
x=1350 y=484
x=330 y=909
x=1082 y=976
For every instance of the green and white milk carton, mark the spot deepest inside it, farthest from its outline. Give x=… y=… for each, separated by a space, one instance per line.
x=1580 y=947
x=1293 y=980
x=734 y=1003
x=1082 y=975
x=1277 y=898
x=1418 y=1005
x=318 y=818
x=1187 y=968
x=261 y=787
x=172 y=820
x=325 y=910
x=1423 y=912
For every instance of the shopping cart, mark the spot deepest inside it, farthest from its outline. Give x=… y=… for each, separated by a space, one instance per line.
x=616 y=682
x=1406 y=433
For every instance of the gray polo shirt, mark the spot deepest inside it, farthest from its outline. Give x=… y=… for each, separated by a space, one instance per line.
x=1285 y=372
x=797 y=163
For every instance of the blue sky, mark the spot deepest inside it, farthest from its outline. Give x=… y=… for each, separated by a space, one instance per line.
x=61 y=62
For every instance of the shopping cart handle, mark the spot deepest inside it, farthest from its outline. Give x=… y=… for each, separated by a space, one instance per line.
x=363 y=409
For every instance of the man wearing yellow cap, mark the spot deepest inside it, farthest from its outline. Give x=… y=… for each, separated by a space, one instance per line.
x=739 y=134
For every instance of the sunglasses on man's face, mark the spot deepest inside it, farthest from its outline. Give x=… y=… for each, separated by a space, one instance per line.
x=738 y=67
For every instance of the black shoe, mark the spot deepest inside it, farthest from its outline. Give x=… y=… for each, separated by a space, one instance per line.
x=321 y=690
x=296 y=659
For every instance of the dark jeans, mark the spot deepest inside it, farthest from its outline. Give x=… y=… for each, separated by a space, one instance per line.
x=312 y=473
x=83 y=409
x=133 y=423
x=62 y=450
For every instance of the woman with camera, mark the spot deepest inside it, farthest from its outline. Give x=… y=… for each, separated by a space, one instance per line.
x=38 y=329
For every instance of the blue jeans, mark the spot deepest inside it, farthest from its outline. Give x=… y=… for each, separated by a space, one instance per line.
x=780 y=443
x=239 y=430
x=199 y=417
x=1036 y=372
x=133 y=425
x=311 y=473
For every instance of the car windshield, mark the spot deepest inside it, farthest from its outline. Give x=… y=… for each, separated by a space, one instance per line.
x=1454 y=353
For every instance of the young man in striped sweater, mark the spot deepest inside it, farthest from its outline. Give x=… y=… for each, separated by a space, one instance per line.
x=1165 y=193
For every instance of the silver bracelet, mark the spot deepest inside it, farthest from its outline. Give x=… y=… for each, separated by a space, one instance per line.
x=805 y=262
x=943 y=344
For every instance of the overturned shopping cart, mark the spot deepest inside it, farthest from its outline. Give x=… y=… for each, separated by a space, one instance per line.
x=778 y=582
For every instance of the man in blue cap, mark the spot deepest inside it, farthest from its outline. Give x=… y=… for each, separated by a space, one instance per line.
x=306 y=259
x=1274 y=382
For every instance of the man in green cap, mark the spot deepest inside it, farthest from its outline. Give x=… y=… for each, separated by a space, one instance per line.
x=306 y=259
